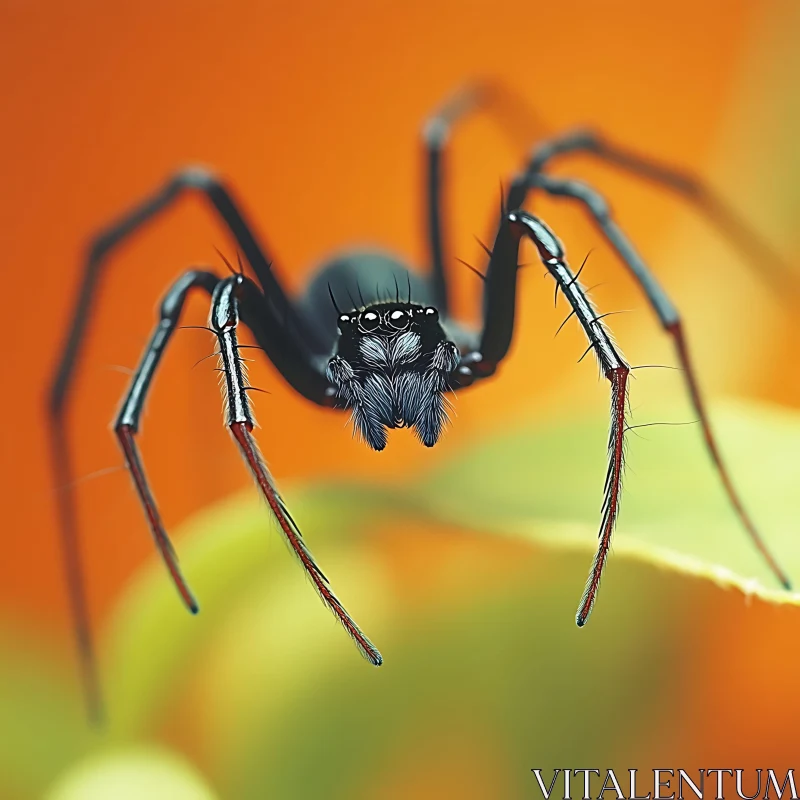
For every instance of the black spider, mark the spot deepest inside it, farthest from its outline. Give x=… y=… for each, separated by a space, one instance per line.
x=390 y=363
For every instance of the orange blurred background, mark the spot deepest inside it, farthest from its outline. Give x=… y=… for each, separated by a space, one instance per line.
x=313 y=112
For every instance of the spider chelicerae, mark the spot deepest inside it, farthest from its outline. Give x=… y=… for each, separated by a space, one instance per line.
x=374 y=338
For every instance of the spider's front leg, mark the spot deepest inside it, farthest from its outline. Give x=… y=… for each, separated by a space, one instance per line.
x=126 y=428
x=127 y=423
x=614 y=367
x=224 y=321
x=500 y=290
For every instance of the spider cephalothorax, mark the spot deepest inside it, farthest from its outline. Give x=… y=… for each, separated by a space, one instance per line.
x=391 y=369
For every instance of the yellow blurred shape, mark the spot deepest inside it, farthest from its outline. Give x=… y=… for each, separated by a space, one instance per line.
x=136 y=774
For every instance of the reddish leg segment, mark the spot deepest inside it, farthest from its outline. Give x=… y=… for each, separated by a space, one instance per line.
x=676 y=331
x=125 y=434
x=613 y=366
x=616 y=459
x=241 y=432
x=127 y=424
x=224 y=319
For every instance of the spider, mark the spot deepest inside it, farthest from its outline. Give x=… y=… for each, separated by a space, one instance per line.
x=391 y=356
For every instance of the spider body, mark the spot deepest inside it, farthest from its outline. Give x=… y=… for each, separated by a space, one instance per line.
x=392 y=351
x=376 y=339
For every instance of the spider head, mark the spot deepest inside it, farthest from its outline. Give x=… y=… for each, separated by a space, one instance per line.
x=390 y=369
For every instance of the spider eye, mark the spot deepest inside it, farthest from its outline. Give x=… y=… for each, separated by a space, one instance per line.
x=398 y=319
x=343 y=321
x=431 y=313
x=369 y=321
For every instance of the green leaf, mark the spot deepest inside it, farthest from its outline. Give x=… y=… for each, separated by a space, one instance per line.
x=672 y=504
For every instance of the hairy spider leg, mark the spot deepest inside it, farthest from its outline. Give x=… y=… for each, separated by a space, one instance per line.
x=614 y=367
x=224 y=321
x=127 y=423
x=499 y=304
x=512 y=116
x=435 y=134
